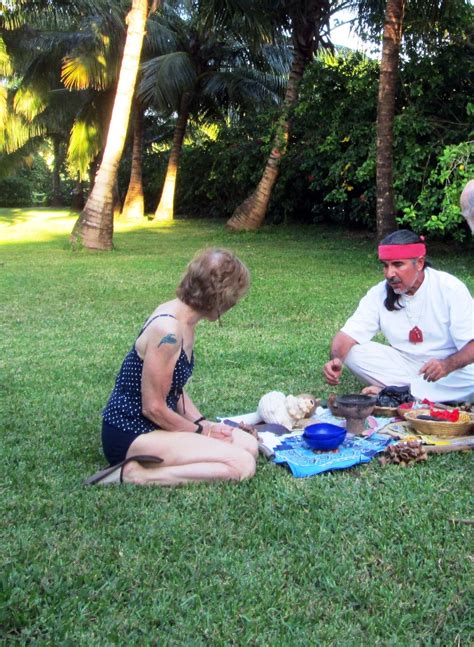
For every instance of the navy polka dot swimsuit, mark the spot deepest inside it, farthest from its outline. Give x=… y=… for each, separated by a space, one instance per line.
x=123 y=419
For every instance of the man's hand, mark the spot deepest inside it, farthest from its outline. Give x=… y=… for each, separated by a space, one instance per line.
x=435 y=369
x=332 y=371
x=371 y=390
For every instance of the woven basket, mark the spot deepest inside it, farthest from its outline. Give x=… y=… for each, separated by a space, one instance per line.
x=384 y=411
x=462 y=427
x=401 y=412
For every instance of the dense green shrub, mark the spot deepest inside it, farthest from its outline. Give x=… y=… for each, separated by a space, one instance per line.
x=29 y=184
x=153 y=175
x=331 y=163
x=434 y=147
x=16 y=191
x=216 y=176
x=437 y=207
x=328 y=173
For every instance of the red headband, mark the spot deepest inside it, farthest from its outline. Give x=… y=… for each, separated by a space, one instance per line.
x=397 y=252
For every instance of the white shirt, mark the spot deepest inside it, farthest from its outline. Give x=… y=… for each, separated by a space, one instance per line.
x=442 y=308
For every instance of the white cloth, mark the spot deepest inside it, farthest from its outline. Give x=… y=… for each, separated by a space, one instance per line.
x=443 y=309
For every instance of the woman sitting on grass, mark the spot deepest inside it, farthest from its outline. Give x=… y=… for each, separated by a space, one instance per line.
x=152 y=432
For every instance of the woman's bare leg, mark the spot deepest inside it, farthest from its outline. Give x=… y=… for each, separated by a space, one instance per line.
x=187 y=457
x=246 y=441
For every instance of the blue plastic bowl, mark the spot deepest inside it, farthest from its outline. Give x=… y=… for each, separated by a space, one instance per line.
x=324 y=436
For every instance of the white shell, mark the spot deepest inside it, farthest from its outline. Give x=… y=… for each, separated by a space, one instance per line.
x=272 y=408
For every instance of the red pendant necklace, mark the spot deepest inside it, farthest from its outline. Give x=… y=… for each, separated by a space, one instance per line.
x=415 y=335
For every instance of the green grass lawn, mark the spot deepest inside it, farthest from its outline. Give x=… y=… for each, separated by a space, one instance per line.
x=366 y=556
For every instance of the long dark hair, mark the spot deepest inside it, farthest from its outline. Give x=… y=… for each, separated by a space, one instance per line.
x=400 y=237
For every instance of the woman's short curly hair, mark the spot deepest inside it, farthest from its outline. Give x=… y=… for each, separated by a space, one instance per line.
x=214 y=281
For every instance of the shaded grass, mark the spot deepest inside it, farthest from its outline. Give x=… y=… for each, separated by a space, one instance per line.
x=360 y=557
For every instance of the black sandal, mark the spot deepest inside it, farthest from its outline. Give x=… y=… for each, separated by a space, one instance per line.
x=114 y=474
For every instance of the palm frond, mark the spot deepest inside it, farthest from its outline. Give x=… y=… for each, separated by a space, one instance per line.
x=161 y=37
x=3 y=104
x=84 y=71
x=254 y=19
x=28 y=103
x=165 y=79
x=58 y=14
x=11 y=163
x=276 y=58
x=243 y=87
x=6 y=68
x=16 y=132
x=84 y=146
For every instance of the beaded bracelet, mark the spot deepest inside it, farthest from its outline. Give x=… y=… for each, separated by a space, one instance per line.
x=199 y=420
x=199 y=429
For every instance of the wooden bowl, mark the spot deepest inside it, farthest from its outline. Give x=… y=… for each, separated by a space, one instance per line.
x=462 y=427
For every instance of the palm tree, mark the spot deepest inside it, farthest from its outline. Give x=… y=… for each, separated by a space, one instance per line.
x=94 y=228
x=165 y=209
x=392 y=36
x=203 y=71
x=305 y=18
x=36 y=109
x=133 y=206
x=426 y=22
x=53 y=47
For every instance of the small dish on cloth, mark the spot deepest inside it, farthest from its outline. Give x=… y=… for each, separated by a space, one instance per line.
x=324 y=436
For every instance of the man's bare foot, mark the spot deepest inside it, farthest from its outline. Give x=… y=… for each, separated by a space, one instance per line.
x=371 y=390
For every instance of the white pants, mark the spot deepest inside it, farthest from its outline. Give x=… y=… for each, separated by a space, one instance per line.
x=382 y=365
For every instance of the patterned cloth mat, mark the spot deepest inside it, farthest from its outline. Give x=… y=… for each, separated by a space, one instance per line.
x=291 y=449
x=302 y=461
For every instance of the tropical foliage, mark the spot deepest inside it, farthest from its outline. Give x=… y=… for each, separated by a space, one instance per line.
x=205 y=74
x=60 y=64
x=328 y=174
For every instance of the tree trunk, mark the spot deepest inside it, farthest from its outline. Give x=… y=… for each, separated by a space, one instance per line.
x=133 y=206
x=117 y=208
x=58 y=153
x=392 y=36
x=305 y=36
x=94 y=228
x=165 y=209
x=77 y=202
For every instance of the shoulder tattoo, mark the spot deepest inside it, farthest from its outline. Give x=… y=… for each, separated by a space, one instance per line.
x=168 y=339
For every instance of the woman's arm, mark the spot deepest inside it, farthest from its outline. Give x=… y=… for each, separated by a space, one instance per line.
x=161 y=354
x=162 y=351
x=187 y=408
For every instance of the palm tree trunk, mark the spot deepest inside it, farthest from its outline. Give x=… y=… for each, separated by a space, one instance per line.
x=165 y=209
x=58 y=155
x=133 y=206
x=392 y=36
x=117 y=209
x=305 y=36
x=94 y=228
x=77 y=201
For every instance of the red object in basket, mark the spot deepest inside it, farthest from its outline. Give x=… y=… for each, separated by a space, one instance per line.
x=406 y=405
x=446 y=416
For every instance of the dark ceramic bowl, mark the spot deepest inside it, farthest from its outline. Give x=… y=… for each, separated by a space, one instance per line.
x=324 y=436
